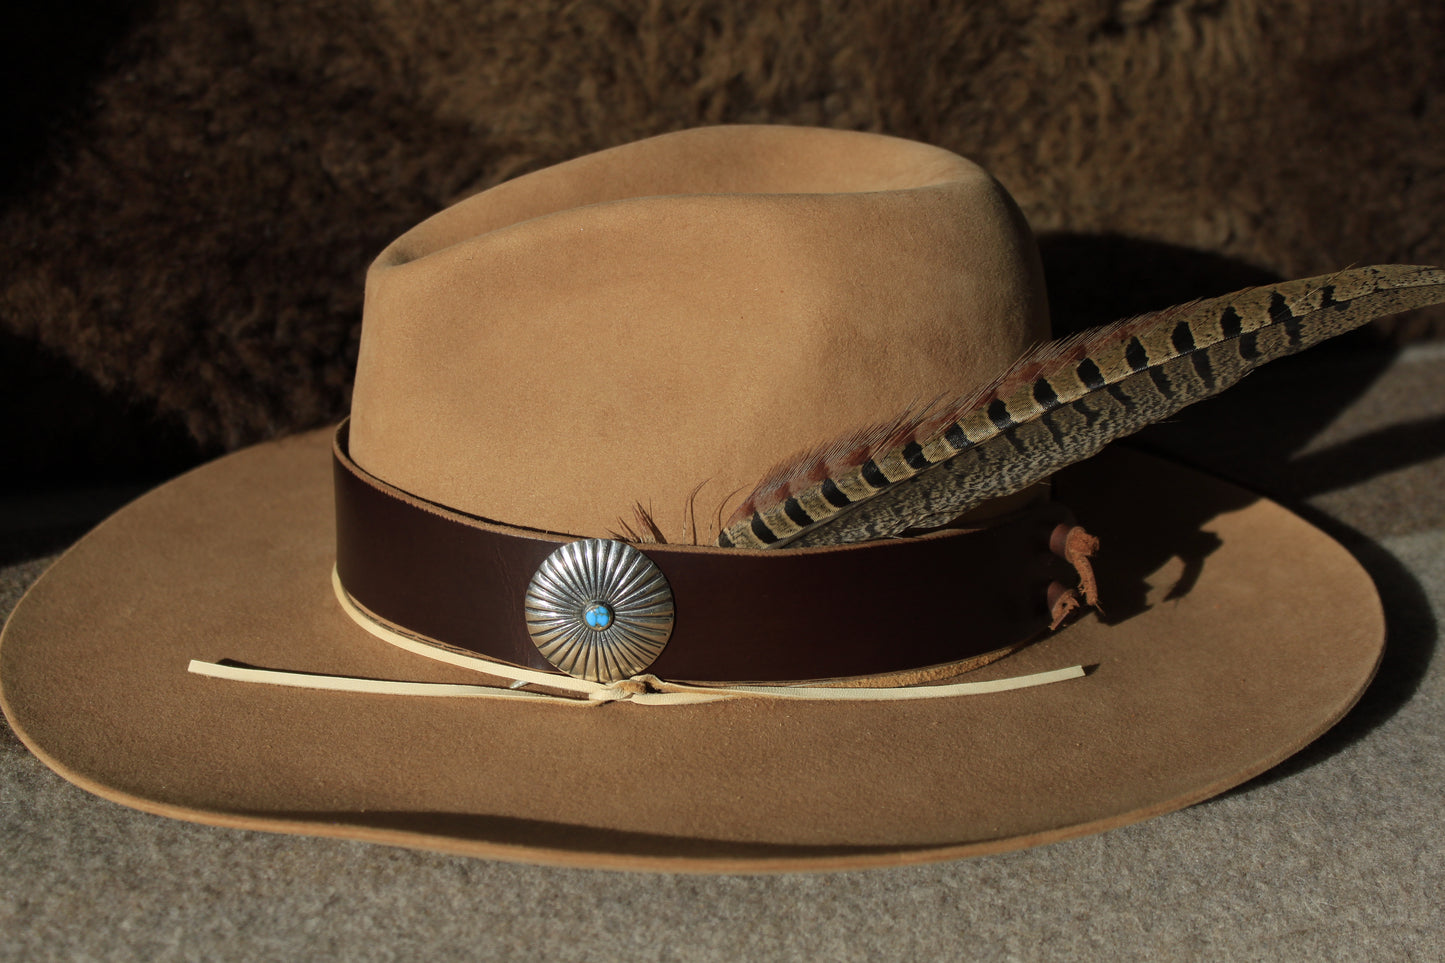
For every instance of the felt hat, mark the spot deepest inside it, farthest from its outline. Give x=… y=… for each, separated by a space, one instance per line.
x=366 y=633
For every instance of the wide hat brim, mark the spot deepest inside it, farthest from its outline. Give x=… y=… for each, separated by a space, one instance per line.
x=1235 y=633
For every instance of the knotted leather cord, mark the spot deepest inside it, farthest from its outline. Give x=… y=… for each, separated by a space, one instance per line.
x=642 y=689
x=357 y=542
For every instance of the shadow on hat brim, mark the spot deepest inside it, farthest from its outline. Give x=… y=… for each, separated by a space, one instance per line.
x=1235 y=634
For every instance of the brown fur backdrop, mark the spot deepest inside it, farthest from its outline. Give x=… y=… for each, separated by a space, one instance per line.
x=198 y=186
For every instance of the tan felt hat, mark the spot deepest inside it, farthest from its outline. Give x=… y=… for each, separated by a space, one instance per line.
x=426 y=630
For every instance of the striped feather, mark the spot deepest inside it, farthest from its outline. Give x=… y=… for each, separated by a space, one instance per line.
x=1060 y=404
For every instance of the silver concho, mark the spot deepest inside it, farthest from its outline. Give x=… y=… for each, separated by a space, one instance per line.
x=599 y=610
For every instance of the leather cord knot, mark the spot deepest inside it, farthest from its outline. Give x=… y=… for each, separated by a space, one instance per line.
x=624 y=689
x=1077 y=547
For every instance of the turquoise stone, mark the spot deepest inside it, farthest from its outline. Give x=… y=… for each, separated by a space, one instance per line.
x=598 y=615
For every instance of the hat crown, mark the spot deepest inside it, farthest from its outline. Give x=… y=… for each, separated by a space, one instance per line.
x=682 y=311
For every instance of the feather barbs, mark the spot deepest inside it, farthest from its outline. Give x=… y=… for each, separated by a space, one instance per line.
x=931 y=429
x=1060 y=403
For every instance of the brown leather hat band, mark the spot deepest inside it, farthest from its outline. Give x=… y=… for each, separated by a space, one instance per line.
x=740 y=616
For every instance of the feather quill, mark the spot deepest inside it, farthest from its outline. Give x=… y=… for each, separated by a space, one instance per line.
x=1059 y=404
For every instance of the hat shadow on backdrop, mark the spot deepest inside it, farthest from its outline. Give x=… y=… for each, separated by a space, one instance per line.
x=75 y=449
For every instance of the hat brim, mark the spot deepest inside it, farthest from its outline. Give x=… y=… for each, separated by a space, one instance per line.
x=1235 y=634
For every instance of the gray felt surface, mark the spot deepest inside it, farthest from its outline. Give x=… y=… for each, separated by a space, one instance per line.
x=1337 y=854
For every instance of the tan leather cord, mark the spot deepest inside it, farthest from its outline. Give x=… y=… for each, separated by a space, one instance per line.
x=646 y=689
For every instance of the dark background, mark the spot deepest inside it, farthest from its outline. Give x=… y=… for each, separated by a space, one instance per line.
x=193 y=190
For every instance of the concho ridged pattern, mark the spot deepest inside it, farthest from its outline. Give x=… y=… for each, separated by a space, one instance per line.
x=580 y=574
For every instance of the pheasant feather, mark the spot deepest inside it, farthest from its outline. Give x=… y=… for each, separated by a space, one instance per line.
x=1060 y=404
